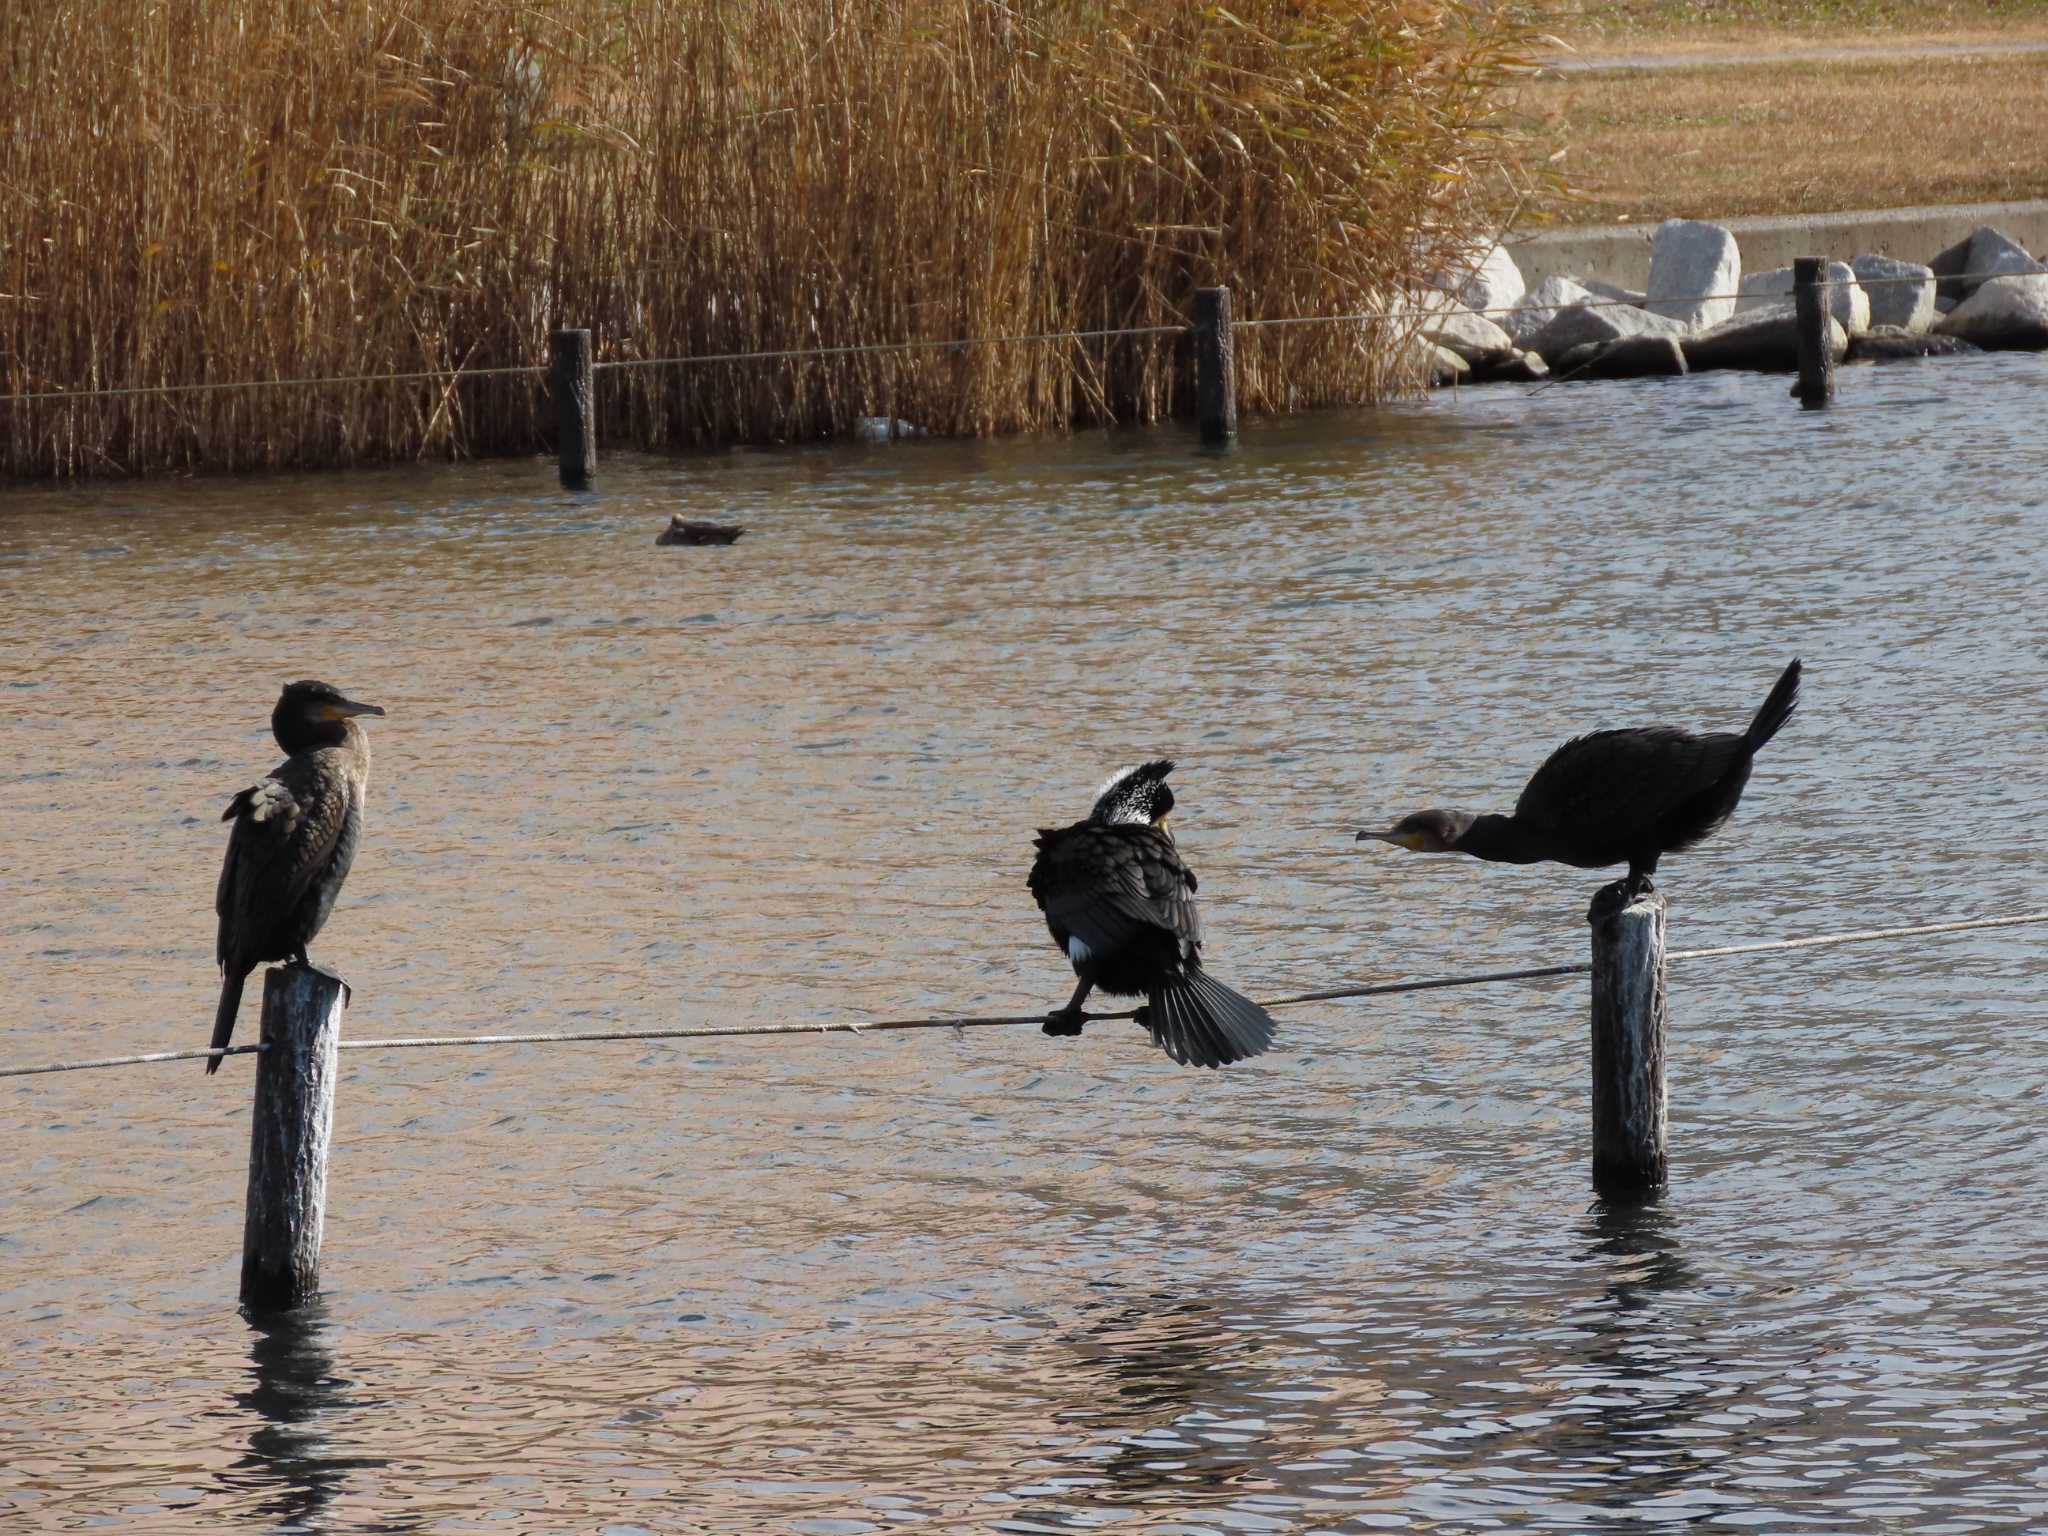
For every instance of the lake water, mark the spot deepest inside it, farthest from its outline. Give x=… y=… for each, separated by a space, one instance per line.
x=936 y=1282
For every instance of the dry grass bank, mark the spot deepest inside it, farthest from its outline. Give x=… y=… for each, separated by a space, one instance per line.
x=283 y=189
x=1728 y=140
x=1687 y=26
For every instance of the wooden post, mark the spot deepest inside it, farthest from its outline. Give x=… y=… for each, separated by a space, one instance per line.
x=575 y=408
x=1628 y=1043
x=1215 y=366
x=294 y=1117
x=1816 y=357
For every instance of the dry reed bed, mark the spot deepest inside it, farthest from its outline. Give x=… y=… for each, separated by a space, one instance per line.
x=282 y=190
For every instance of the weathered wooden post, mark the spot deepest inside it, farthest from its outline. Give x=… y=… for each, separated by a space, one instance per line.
x=1215 y=366
x=288 y=1136
x=1816 y=356
x=1628 y=1043
x=575 y=408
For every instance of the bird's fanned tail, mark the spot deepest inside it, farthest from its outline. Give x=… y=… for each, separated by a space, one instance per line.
x=1777 y=708
x=1199 y=1022
x=224 y=1016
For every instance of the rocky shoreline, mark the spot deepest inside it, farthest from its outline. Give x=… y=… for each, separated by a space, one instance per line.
x=1482 y=323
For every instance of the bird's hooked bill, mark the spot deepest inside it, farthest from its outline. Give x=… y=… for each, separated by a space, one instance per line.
x=1398 y=838
x=343 y=709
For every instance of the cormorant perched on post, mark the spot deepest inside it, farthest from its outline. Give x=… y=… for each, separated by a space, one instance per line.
x=1614 y=797
x=294 y=838
x=1121 y=906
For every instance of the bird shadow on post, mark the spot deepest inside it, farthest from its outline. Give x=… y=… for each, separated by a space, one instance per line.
x=289 y=1133
x=1629 y=1120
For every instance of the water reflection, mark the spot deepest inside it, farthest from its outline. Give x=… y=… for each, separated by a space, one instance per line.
x=298 y=1401
x=1153 y=1372
x=1638 y=1241
x=1360 y=1282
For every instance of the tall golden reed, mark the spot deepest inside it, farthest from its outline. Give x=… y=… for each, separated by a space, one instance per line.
x=211 y=191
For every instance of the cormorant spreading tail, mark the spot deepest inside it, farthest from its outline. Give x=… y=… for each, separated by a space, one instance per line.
x=1199 y=1022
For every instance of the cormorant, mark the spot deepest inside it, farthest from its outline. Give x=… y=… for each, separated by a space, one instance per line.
x=294 y=838
x=1614 y=797
x=1121 y=907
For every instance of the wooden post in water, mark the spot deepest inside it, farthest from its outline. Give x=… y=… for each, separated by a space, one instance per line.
x=288 y=1136
x=575 y=408
x=1628 y=1043
x=1215 y=366
x=1816 y=357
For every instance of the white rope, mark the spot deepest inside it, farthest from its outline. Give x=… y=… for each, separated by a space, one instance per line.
x=878 y=1026
x=860 y=349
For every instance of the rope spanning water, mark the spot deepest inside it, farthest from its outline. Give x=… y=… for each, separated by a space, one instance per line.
x=860 y=349
x=879 y=1026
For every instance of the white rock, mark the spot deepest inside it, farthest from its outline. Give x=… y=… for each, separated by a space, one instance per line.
x=1540 y=305
x=1421 y=363
x=1486 y=279
x=1993 y=253
x=1763 y=340
x=1601 y=290
x=1901 y=293
x=2006 y=312
x=1691 y=266
x=1580 y=324
x=1847 y=301
x=1470 y=336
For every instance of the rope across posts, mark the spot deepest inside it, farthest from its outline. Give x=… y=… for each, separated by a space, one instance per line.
x=1215 y=366
x=1816 y=384
x=289 y=1134
x=575 y=407
x=1629 y=1123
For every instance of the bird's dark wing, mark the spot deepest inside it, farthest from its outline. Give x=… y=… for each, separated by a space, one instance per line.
x=1622 y=785
x=285 y=832
x=1106 y=885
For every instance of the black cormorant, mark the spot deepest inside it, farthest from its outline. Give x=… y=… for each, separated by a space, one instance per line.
x=1121 y=907
x=1614 y=797
x=294 y=838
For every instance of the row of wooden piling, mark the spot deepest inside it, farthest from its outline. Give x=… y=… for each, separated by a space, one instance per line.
x=1212 y=333
x=292 y=1125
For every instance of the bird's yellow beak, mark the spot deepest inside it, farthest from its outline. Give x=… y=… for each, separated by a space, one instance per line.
x=347 y=709
x=1161 y=822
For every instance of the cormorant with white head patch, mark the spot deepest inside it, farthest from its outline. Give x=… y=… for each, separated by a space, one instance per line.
x=1121 y=907
x=1614 y=797
x=294 y=837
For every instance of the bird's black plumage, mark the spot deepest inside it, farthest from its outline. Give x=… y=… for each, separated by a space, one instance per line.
x=1120 y=904
x=294 y=837
x=1614 y=797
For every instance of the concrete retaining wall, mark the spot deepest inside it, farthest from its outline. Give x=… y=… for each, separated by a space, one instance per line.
x=1620 y=254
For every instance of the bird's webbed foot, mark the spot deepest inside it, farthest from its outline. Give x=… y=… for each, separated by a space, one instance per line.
x=1636 y=887
x=1064 y=1021
x=1142 y=1014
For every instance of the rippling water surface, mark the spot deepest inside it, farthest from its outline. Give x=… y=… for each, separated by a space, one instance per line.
x=1001 y=1282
